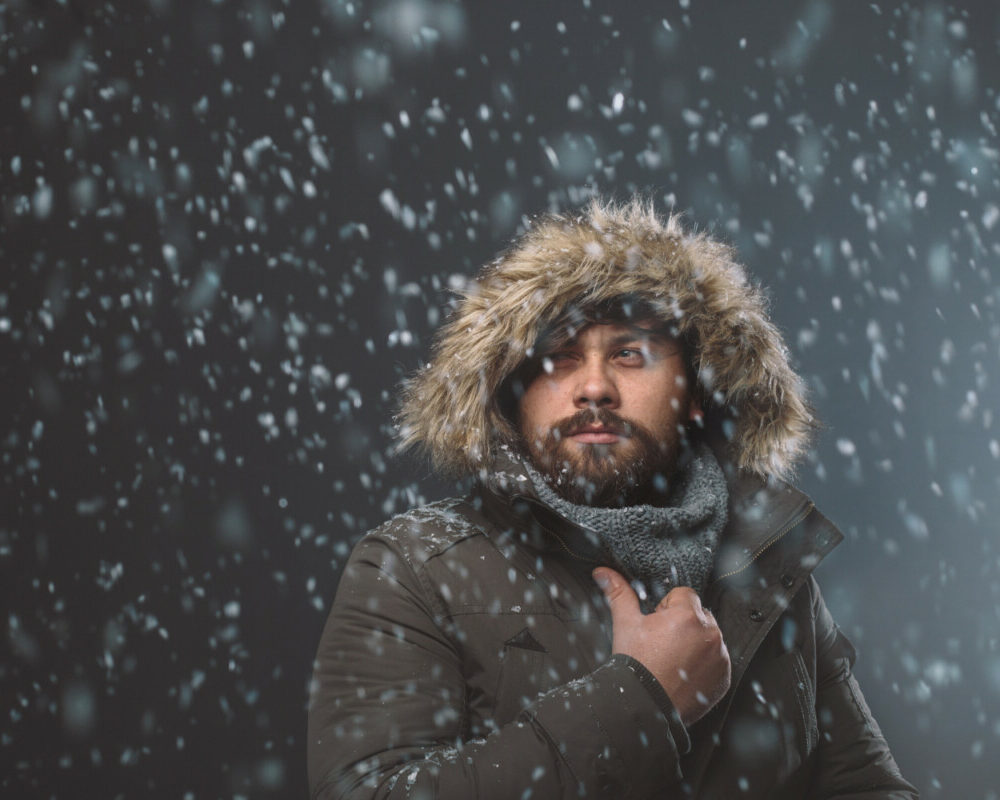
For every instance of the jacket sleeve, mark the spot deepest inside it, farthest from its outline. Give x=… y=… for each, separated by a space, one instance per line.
x=854 y=759
x=387 y=710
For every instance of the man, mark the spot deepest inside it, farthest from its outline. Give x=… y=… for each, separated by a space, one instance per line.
x=627 y=412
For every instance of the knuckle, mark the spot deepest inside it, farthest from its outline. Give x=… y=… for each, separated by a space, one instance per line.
x=614 y=592
x=695 y=613
x=688 y=594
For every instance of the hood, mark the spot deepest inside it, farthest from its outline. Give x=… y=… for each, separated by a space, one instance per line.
x=450 y=408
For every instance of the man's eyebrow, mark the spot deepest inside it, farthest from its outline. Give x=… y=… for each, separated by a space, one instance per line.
x=659 y=336
x=554 y=340
x=557 y=339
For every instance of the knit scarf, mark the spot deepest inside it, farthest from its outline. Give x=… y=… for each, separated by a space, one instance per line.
x=658 y=548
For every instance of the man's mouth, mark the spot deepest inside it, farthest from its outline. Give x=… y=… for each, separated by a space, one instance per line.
x=596 y=434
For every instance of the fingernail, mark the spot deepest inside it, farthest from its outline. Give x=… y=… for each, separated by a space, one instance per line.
x=601 y=579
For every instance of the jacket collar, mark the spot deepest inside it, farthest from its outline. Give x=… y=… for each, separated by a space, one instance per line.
x=760 y=513
x=509 y=491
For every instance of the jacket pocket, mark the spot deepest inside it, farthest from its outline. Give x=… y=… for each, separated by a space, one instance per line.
x=525 y=672
x=769 y=737
x=805 y=699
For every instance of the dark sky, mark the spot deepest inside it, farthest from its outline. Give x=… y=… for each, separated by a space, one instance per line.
x=228 y=229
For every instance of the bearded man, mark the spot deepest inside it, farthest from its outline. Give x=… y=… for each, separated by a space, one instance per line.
x=623 y=606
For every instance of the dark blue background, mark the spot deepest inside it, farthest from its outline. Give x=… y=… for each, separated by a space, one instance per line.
x=228 y=228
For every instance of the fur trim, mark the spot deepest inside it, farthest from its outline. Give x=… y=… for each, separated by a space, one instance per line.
x=450 y=408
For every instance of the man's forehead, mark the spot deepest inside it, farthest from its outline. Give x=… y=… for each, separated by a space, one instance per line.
x=651 y=328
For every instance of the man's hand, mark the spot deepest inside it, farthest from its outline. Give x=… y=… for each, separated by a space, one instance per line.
x=680 y=643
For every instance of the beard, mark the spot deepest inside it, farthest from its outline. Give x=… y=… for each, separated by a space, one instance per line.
x=635 y=469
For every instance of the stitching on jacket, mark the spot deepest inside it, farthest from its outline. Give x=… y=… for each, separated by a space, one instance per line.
x=862 y=707
x=472 y=610
x=760 y=550
x=607 y=737
x=532 y=715
x=434 y=604
x=529 y=574
x=806 y=701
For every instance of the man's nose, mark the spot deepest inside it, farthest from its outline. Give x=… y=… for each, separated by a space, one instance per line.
x=596 y=386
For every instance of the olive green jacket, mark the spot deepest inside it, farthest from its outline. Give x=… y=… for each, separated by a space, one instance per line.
x=468 y=655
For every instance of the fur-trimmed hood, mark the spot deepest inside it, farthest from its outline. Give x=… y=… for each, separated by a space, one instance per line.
x=450 y=407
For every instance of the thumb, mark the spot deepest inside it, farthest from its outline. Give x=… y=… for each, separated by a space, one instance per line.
x=621 y=597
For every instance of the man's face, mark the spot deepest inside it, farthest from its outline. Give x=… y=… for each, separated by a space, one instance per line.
x=607 y=412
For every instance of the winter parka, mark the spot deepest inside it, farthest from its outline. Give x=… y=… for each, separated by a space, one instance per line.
x=468 y=651
x=468 y=655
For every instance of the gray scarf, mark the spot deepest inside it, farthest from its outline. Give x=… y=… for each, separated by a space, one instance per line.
x=658 y=548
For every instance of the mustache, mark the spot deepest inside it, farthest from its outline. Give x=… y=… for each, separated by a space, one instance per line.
x=589 y=417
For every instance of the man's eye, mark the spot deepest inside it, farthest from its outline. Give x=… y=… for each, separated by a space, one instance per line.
x=554 y=360
x=631 y=354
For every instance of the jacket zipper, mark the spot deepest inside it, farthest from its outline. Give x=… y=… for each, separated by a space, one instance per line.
x=794 y=522
x=566 y=547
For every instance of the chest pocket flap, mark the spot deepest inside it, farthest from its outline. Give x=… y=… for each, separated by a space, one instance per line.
x=525 y=672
